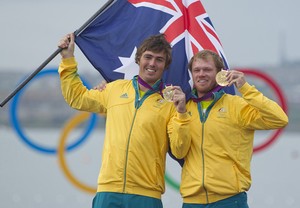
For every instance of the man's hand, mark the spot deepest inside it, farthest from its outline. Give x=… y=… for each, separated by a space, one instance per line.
x=101 y=86
x=179 y=99
x=68 y=46
x=236 y=77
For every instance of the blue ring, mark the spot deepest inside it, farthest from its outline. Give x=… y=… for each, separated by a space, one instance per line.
x=26 y=140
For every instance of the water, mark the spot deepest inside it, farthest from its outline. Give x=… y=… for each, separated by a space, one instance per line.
x=31 y=178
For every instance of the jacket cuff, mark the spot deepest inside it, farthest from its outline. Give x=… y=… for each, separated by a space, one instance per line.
x=184 y=116
x=67 y=63
x=243 y=89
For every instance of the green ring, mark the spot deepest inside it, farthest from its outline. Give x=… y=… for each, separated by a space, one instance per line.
x=170 y=181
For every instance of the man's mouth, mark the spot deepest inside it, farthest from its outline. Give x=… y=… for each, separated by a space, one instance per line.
x=202 y=81
x=151 y=70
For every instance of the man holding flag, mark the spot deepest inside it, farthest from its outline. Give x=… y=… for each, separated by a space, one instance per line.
x=140 y=124
x=212 y=175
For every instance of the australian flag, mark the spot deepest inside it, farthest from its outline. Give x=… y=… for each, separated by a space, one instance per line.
x=111 y=39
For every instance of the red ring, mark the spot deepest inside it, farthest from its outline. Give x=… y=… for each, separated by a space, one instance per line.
x=279 y=94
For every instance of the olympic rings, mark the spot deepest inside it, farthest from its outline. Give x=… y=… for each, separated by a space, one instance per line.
x=61 y=150
x=62 y=161
x=280 y=96
x=75 y=121
x=16 y=125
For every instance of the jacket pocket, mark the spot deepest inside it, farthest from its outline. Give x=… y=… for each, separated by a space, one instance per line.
x=238 y=185
x=159 y=176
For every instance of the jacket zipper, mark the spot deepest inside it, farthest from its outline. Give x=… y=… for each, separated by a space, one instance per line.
x=127 y=147
x=203 y=117
x=202 y=152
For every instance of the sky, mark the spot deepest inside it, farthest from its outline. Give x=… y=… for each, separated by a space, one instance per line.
x=253 y=32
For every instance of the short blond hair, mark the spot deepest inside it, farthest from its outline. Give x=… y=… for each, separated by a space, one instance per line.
x=205 y=55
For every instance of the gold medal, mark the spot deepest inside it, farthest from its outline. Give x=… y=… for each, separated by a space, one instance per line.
x=168 y=93
x=221 y=78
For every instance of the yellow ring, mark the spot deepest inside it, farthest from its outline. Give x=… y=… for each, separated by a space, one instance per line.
x=75 y=121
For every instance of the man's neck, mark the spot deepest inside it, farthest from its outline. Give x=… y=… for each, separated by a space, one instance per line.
x=206 y=99
x=143 y=88
x=207 y=96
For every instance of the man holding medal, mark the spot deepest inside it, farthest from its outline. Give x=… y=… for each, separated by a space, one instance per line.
x=140 y=125
x=216 y=170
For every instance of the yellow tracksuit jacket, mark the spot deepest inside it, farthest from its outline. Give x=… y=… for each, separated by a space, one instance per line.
x=217 y=158
x=137 y=131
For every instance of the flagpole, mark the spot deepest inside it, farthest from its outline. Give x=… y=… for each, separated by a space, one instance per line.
x=54 y=54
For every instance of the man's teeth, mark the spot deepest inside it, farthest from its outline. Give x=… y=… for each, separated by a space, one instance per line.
x=151 y=70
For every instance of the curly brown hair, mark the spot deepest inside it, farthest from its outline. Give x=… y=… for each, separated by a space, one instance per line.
x=155 y=43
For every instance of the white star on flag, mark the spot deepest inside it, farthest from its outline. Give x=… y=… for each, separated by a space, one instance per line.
x=129 y=68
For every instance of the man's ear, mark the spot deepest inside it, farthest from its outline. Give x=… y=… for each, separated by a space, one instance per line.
x=137 y=60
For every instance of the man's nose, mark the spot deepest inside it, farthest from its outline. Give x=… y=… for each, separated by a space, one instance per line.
x=152 y=62
x=201 y=73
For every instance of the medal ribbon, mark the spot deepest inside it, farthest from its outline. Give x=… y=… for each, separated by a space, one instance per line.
x=145 y=84
x=207 y=95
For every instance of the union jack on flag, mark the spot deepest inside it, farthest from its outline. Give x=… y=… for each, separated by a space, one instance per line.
x=110 y=41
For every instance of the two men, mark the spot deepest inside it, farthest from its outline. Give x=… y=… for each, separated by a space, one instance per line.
x=214 y=132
